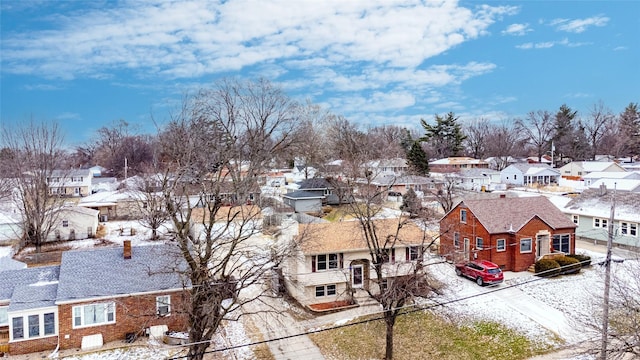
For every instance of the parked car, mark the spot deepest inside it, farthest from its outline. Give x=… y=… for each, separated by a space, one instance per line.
x=482 y=271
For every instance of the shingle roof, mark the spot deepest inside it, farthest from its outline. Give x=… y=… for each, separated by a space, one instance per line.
x=12 y=280
x=301 y=194
x=104 y=272
x=34 y=296
x=347 y=236
x=314 y=183
x=501 y=214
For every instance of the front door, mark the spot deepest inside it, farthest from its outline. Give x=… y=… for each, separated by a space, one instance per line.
x=542 y=245
x=357 y=276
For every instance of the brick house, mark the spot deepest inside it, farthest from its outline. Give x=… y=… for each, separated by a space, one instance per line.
x=511 y=232
x=104 y=294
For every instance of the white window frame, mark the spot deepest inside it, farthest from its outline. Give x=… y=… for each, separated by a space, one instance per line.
x=108 y=308
x=502 y=247
x=575 y=219
x=456 y=240
x=414 y=253
x=4 y=315
x=41 y=324
x=480 y=243
x=633 y=229
x=463 y=216
x=163 y=301
x=65 y=223
x=325 y=290
x=524 y=241
x=624 y=228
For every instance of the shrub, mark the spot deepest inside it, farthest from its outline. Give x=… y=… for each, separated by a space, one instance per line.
x=547 y=267
x=569 y=265
x=584 y=260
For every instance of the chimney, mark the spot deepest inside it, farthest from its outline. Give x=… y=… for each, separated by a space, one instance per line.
x=127 y=249
x=502 y=196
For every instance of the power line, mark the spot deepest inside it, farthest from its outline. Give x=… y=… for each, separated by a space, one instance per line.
x=415 y=309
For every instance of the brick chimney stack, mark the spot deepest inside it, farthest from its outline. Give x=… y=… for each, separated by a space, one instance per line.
x=127 y=249
x=502 y=196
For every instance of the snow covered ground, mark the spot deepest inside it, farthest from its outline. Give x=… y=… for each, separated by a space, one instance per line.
x=557 y=311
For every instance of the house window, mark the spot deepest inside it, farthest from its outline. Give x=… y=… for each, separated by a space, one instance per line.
x=456 y=240
x=562 y=243
x=49 y=324
x=326 y=262
x=515 y=177
x=413 y=253
x=4 y=318
x=65 y=223
x=388 y=255
x=576 y=219
x=624 y=228
x=501 y=245
x=463 y=216
x=633 y=229
x=325 y=290
x=525 y=245
x=94 y=314
x=479 y=243
x=18 y=328
x=34 y=325
x=629 y=229
x=163 y=305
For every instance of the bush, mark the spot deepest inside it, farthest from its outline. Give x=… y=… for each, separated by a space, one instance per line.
x=547 y=267
x=584 y=260
x=569 y=265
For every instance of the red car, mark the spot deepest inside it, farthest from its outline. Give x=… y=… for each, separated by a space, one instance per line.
x=482 y=271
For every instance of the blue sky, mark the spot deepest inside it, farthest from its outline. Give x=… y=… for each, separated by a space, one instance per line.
x=89 y=63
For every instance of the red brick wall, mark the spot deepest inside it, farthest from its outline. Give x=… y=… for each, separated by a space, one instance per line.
x=133 y=315
x=511 y=259
x=31 y=346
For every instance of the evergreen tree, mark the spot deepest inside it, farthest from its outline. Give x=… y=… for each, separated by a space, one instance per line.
x=629 y=133
x=564 y=131
x=445 y=136
x=417 y=159
x=411 y=203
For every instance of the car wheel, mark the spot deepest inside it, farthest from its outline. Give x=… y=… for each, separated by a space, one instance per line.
x=458 y=272
x=479 y=281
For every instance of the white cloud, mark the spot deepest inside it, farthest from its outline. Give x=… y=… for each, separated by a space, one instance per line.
x=42 y=87
x=186 y=39
x=517 y=29
x=550 y=44
x=579 y=25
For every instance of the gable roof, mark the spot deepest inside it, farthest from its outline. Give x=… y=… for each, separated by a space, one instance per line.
x=501 y=214
x=345 y=236
x=591 y=202
x=96 y=273
x=301 y=194
x=632 y=185
x=530 y=169
x=314 y=184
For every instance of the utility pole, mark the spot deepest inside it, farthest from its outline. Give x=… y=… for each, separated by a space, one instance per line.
x=125 y=168
x=607 y=280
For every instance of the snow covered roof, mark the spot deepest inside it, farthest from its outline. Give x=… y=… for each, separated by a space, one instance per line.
x=593 y=203
x=457 y=160
x=531 y=169
x=632 y=185
x=612 y=175
x=14 y=281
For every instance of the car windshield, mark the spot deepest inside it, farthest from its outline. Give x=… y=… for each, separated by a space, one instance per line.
x=493 y=271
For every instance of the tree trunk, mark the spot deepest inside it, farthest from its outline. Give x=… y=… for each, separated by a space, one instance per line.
x=390 y=321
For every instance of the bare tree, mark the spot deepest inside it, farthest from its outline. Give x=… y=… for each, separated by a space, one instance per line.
x=34 y=152
x=409 y=280
x=149 y=201
x=503 y=142
x=477 y=134
x=538 y=130
x=596 y=126
x=309 y=144
x=445 y=195
x=387 y=139
x=213 y=150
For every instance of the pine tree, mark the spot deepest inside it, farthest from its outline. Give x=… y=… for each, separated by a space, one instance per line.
x=630 y=130
x=411 y=203
x=445 y=136
x=417 y=159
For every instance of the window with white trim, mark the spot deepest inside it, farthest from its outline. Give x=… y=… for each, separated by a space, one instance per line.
x=325 y=290
x=562 y=242
x=325 y=262
x=479 y=243
x=525 y=245
x=463 y=216
x=576 y=219
x=628 y=228
x=65 y=223
x=163 y=305
x=501 y=245
x=413 y=253
x=600 y=223
x=32 y=326
x=456 y=239
x=94 y=314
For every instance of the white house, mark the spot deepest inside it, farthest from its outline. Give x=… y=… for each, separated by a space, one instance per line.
x=528 y=174
x=74 y=223
x=597 y=175
x=479 y=179
x=10 y=228
x=74 y=182
x=333 y=261
x=578 y=169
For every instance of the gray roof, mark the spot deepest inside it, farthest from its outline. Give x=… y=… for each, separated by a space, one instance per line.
x=301 y=194
x=105 y=272
x=34 y=296
x=388 y=180
x=315 y=183
x=11 y=280
x=501 y=214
